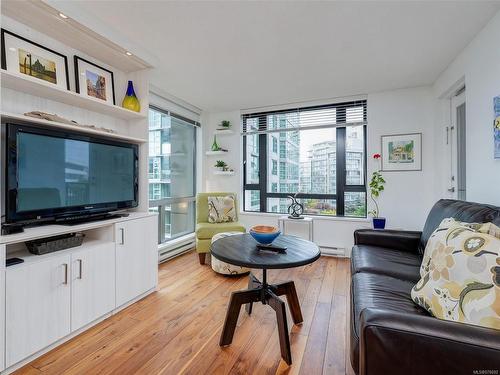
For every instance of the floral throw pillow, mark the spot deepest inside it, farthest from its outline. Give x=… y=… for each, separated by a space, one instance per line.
x=452 y=228
x=221 y=209
x=461 y=274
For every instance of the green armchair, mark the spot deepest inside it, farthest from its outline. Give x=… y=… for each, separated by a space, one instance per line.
x=205 y=230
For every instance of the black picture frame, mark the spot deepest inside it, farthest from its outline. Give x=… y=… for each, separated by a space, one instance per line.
x=77 y=78
x=4 y=59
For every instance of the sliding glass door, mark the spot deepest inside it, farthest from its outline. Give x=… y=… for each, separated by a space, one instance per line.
x=171 y=170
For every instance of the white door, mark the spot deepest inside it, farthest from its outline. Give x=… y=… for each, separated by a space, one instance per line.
x=136 y=257
x=37 y=306
x=2 y=306
x=457 y=147
x=92 y=283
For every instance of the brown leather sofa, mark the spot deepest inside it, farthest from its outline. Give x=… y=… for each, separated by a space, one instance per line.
x=392 y=335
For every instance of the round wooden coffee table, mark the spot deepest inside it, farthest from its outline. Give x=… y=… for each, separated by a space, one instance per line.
x=242 y=251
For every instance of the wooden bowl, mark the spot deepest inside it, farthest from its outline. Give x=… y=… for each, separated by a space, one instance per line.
x=264 y=229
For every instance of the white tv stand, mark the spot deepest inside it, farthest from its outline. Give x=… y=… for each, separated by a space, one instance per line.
x=51 y=298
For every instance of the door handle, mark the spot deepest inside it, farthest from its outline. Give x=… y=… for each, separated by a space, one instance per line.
x=80 y=268
x=452 y=189
x=65 y=265
x=122 y=236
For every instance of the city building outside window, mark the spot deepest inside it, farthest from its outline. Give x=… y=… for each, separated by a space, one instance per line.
x=275 y=167
x=171 y=173
x=302 y=151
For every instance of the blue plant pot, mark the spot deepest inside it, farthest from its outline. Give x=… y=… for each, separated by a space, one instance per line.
x=379 y=222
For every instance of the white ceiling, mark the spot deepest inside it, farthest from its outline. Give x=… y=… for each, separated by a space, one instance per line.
x=234 y=55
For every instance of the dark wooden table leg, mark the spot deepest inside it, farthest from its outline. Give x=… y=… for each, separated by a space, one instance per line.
x=253 y=282
x=279 y=306
x=233 y=310
x=288 y=289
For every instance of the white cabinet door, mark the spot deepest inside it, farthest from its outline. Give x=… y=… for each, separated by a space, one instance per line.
x=136 y=257
x=37 y=306
x=92 y=283
x=2 y=307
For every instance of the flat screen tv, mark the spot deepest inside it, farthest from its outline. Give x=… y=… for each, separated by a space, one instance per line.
x=56 y=175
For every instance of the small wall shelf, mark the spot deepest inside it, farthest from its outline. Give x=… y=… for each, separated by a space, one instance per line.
x=210 y=153
x=76 y=128
x=37 y=87
x=223 y=132
x=224 y=173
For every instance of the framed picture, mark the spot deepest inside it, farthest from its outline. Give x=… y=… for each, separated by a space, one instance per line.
x=402 y=152
x=94 y=81
x=22 y=56
x=496 y=127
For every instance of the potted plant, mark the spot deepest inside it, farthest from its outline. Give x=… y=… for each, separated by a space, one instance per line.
x=220 y=165
x=376 y=187
x=225 y=124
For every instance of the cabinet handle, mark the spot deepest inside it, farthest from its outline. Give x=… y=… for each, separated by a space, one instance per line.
x=65 y=265
x=80 y=267
x=122 y=236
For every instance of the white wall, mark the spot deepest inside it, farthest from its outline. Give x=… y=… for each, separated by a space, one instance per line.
x=408 y=196
x=406 y=201
x=479 y=65
x=231 y=142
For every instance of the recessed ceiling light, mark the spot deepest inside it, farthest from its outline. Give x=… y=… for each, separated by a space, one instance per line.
x=12 y=49
x=63 y=15
x=128 y=53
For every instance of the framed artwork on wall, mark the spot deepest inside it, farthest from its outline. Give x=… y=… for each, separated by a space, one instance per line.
x=402 y=152
x=496 y=127
x=94 y=81
x=27 y=58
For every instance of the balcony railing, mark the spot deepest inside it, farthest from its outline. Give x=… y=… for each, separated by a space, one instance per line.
x=178 y=211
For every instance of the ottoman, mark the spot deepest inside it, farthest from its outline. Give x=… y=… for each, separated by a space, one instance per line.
x=222 y=267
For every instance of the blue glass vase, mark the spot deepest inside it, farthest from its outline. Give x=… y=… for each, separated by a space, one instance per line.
x=130 y=100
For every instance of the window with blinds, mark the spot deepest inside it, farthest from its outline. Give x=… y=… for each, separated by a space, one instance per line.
x=317 y=152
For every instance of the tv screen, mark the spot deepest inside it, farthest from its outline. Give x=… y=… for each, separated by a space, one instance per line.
x=52 y=173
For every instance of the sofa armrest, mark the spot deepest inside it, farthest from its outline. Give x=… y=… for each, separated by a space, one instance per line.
x=394 y=239
x=397 y=343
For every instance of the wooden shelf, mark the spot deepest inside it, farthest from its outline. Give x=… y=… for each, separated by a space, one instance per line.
x=224 y=173
x=211 y=153
x=28 y=258
x=37 y=87
x=91 y=40
x=223 y=132
x=76 y=128
x=57 y=229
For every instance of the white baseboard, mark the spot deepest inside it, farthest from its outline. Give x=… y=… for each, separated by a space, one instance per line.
x=333 y=251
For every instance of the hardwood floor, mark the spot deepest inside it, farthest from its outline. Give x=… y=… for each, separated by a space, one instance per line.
x=176 y=330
